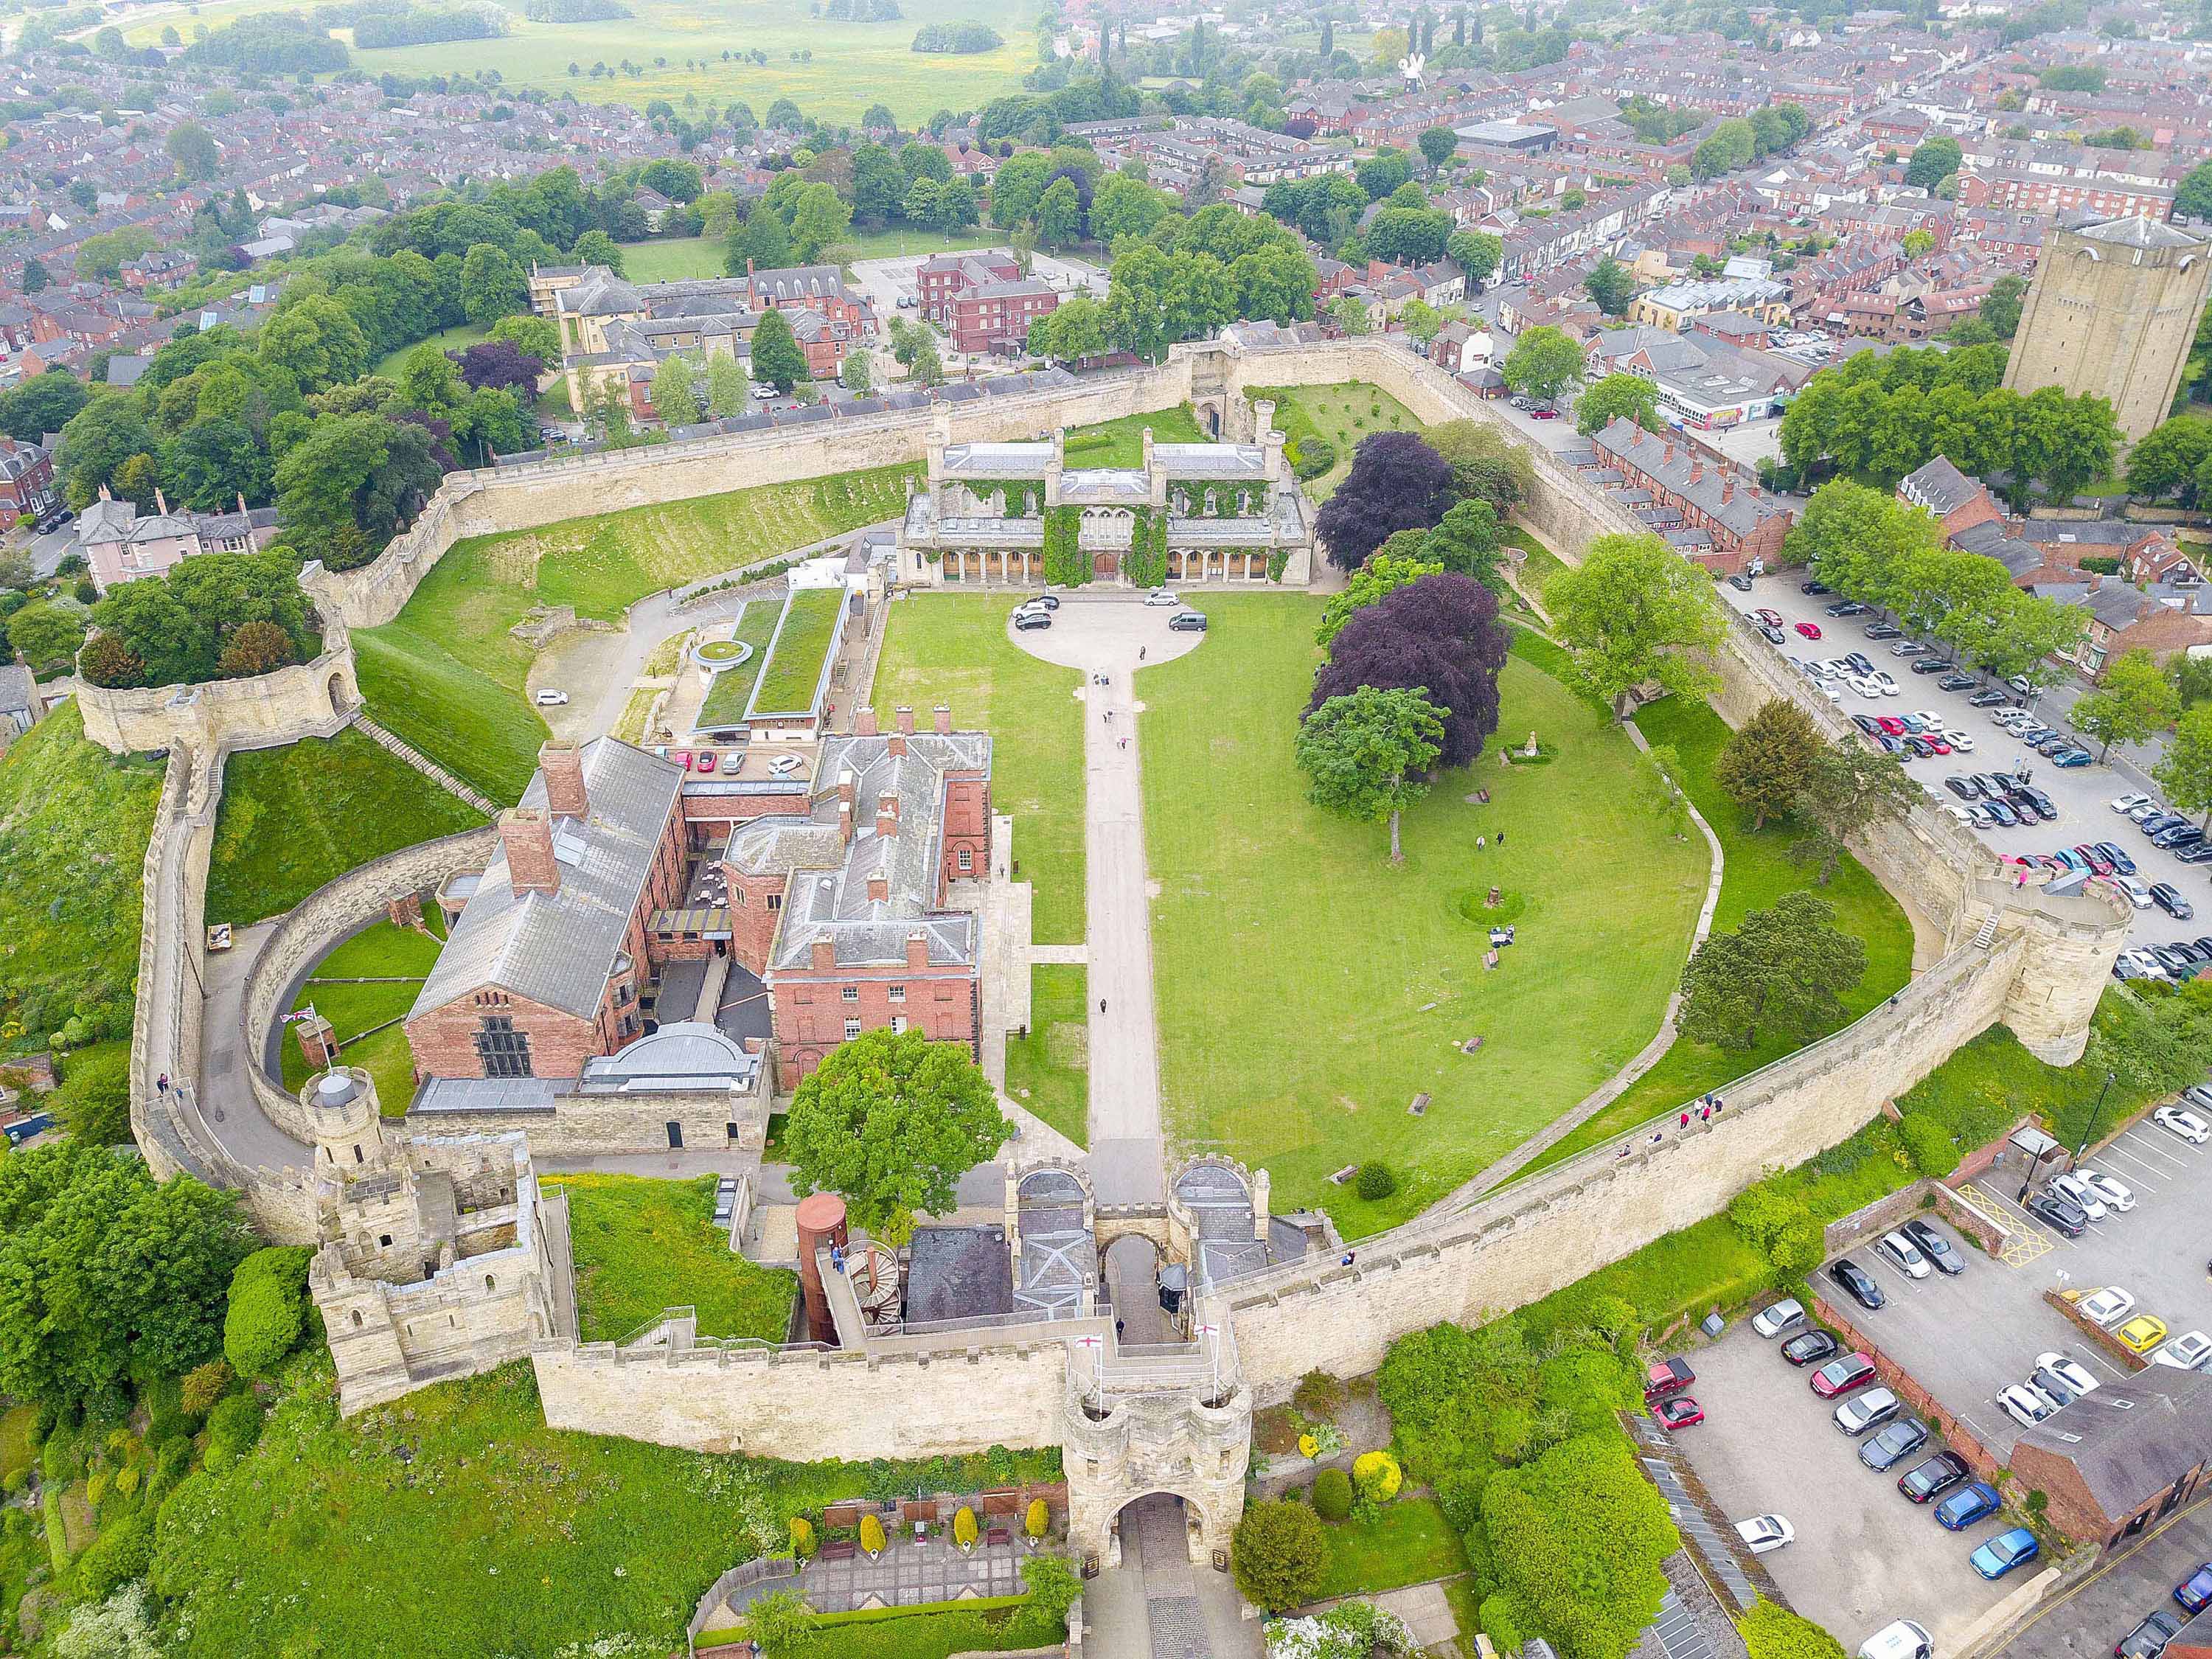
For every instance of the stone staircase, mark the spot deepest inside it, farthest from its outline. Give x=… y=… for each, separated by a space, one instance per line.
x=423 y=763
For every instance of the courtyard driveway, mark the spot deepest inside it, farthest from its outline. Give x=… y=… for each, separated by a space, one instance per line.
x=1103 y=635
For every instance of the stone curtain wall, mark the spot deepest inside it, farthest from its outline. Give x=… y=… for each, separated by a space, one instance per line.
x=307 y=699
x=325 y=918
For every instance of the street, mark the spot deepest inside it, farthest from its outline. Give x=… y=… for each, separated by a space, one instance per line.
x=2082 y=794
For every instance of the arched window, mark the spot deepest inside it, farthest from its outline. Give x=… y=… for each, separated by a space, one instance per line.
x=356 y=1318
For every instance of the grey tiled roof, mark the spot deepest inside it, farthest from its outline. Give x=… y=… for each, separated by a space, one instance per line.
x=558 y=948
x=1940 y=487
x=2131 y=1439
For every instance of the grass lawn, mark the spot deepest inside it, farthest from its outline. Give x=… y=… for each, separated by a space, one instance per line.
x=368 y=982
x=733 y=689
x=456 y=338
x=1308 y=990
x=804 y=640
x=1408 y=1542
x=478 y=727
x=643 y=1246
x=924 y=1632
x=16 y=1452
x=454 y=1524
x=953 y=648
x=74 y=822
x=1122 y=443
x=1343 y=414
x=1541 y=564
x=1049 y=1070
x=906 y=242
x=1756 y=872
x=674 y=260
x=386 y=951
x=295 y=817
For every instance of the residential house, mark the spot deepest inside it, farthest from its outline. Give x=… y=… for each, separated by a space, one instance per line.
x=121 y=545
x=1721 y=523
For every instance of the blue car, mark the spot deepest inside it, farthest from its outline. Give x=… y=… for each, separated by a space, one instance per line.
x=2117 y=854
x=1967 y=1505
x=2007 y=1550
x=2072 y=757
x=2195 y=1592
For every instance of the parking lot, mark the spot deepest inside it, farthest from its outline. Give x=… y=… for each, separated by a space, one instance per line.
x=2081 y=794
x=1862 y=1556
x=2107 y=1606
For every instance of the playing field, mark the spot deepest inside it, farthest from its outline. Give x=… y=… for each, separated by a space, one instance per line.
x=832 y=70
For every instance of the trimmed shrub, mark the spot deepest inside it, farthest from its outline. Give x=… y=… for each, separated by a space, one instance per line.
x=1319 y=1395
x=1773 y=1632
x=1929 y=1145
x=1038 y=1519
x=1279 y=1554
x=1500 y=1621
x=1377 y=1476
x=1310 y=457
x=1374 y=1182
x=233 y=1427
x=963 y=1527
x=123 y=1551
x=802 y=1538
x=202 y=1387
x=872 y=1534
x=1332 y=1494
x=268 y=1308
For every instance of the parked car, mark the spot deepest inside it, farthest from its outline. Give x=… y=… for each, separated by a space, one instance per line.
x=1904 y=1255
x=1740 y=582
x=1907 y=648
x=2070 y=1372
x=1188 y=621
x=2187 y=1126
x=1863 y=1412
x=2002 y=1553
x=2117 y=1195
x=1162 y=596
x=1838 y=1376
x=2195 y=1592
x=2053 y=1387
x=2065 y=1217
x=2080 y=1194
x=1847 y=608
x=1902 y=1640
x=1925 y=1482
x=1857 y=1283
x=1967 y=1505
x=1680 y=1413
x=1773 y=618
x=1809 y=630
x=1764 y=1534
x=2186 y=1352
x=1771 y=1322
x=2167 y=897
x=2138 y=894
x=2117 y=856
x=2040 y=803
x=2142 y=1333
x=1810 y=1348
x=1666 y=1377
x=2025 y=1406
x=1049 y=601
x=1986 y=699
x=2126 y=804
x=1944 y=1256
x=1898 y=1441
x=2148 y=1639
x=2067 y=759
x=549 y=698
x=1885 y=631
x=1026 y=620
x=1814 y=586
x=1774 y=635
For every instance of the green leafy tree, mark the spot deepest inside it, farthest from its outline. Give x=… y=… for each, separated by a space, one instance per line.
x=44 y=403
x=762 y=242
x=1847 y=790
x=891 y=1122
x=1477 y=252
x=1383 y=573
x=1278 y=1555
x=94 y=1100
x=2133 y=699
x=1543 y=363
x=98 y=442
x=2185 y=772
x=2000 y=306
x=1763 y=763
x=857 y=371
x=429 y=381
x=675 y=391
x=1933 y=160
x=1578 y=1535
x=820 y=216
x=47 y=633
x=776 y=357
x=1060 y=214
x=1125 y=207
x=1467 y=540
x=1783 y=970
x=2166 y=459
x=725 y=384
x=100 y=258
x=268 y=1308
x=780 y=1622
x=1633 y=611
x=1610 y=285
x=492 y=285
x=1615 y=398
x=317 y=342
x=1349 y=314
x=2021 y=639
x=1366 y=754
x=596 y=247
x=1769 y=1631
x=193 y=151
x=1438 y=144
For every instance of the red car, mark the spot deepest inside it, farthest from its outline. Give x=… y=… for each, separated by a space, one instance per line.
x=1680 y=1413
x=2096 y=860
x=1890 y=724
x=1841 y=1375
x=682 y=758
x=1938 y=744
x=1810 y=630
x=1771 y=618
x=1543 y=414
x=1669 y=1376
x=705 y=760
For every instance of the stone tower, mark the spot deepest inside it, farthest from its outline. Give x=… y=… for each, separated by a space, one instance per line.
x=2112 y=311
x=344 y=1114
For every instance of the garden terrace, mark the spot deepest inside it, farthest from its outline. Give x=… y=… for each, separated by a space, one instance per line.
x=797 y=673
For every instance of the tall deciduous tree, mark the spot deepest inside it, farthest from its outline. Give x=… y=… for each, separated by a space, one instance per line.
x=1439 y=634
x=1610 y=285
x=318 y=343
x=675 y=391
x=1783 y=971
x=1467 y=541
x=1477 y=252
x=1578 y=1534
x=1846 y=790
x=2185 y=773
x=2133 y=699
x=1764 y=764
x=1366 y=754
x=1615 y=398
x=1396 y=482
x=1543 y=363
x=1384 y=573
x=1634 y=610
x=1279 y=1554
x=891 y=1121
x=776 y=357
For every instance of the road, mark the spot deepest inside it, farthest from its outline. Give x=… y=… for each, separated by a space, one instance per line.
x=2082 y=794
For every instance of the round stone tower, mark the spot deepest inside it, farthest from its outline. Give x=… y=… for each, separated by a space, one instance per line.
x=347 y=1123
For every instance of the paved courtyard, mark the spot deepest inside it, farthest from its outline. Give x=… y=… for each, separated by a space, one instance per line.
x=906 y=1575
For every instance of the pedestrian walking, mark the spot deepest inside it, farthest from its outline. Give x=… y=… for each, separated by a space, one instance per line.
x=1704 y=1114
x=162 y=1082
x=1684 y=1122
x=1501 y=838
x=1658 y=1135
x=1141 y=654
x=1478 y=843
x=1349 y=1256
x=1102 y=1004
x=1716 y=1105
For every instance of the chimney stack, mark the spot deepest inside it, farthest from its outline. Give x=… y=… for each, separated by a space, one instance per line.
x=1666 y=458
x=161 y=501
x=822 y=955
x=904 y=716
x=845 y=788
x=917 y=951
x=1697 y=471
x=887 y=815
x=879 y=888
x=562 y=762
x=527 y=834
x=864 y=723
x=1728 y=488
x=942 y=715
x=844 y=823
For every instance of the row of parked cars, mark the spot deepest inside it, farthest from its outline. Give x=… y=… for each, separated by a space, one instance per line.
x=2151 y=1638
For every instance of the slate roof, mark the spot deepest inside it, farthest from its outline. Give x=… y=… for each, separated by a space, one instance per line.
x=2135 y=231
x=958 y=1272
x=559 y=948
x=1645 y=452
x=1940 y=487
x=827 y=896
x=2130 y=1440
x=18 y=691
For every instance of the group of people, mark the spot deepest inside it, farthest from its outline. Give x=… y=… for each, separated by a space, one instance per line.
x=1709 y=1107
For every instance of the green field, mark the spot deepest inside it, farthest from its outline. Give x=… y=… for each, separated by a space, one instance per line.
x=1049 y=1070
x=454 y=1524
x=733 y=690
x=1122 y=443
x=645 y=1246
x=1343 y=414
x=1406 y=1541
x=678 y=259
x=1756 y=871
x=458 y=337
x=852 y=65
x=804 y=640
x=953 y=648
x=1308 y=990
x=294 y=818
x=393 y=961
x=74 y=822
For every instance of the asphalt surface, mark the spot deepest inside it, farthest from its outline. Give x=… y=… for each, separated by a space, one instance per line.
x=1964 y=1338
x=2107 y=1606
x=1863 y=1556
x=2083 y=795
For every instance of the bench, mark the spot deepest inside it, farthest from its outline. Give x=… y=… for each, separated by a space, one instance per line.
x=840 y=1549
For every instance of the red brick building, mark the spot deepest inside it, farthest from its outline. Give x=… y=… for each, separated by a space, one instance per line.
x=2120 y=1460
x=1723 y=523
x=982 y=300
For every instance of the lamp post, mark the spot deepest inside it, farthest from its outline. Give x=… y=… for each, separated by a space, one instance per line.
x=2095 y=1112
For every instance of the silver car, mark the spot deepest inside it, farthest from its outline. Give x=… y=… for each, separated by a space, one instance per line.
x=1870 y=1410
x=1771 y=1322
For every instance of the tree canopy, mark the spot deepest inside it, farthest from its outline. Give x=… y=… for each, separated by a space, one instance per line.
x=1396 y=482
x=1634 y=610
x=1366 y=754
x=1783 y=970
x=1439 y=634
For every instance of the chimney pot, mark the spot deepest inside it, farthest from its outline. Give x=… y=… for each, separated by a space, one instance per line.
x=1728 y=488
x=845 y=822
x=887 y=815
x=917 y=951
x=526 y=835
x=942 y=715
x=823 y=954
x=563 y=763
x=1697 y=471
x=904 y=716
x=879 y=888
x=845 y=787
x=895 y=745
